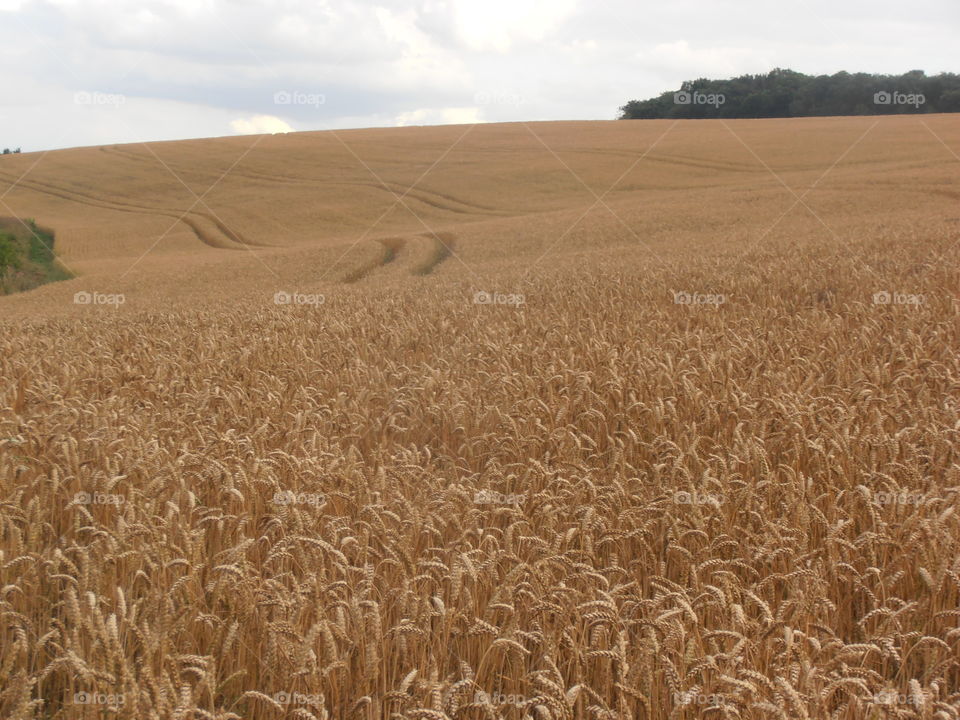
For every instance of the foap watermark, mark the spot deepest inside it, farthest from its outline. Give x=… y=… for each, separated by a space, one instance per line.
x=691 y=697
x=696 y=97
x=94 y=698
x=295 y=698
x=688 y=298
x=87 y=97
x=498 y=98
x=885 y=297
x=489 y=497
x=898 y=498
x=288 y=497
x=481 y=297
x=497 y=699
x=296 y=97
x=898 y=98
x=891 y=697
x=85 y=498
x=282 y=297
x=682 y=497
x=97 y=298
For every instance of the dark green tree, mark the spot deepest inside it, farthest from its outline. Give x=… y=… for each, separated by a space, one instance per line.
x=786 y=93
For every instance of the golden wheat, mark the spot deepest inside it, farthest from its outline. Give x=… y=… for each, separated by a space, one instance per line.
x=619 y=499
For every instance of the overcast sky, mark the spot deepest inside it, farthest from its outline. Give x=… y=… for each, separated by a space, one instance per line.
x=89 y=72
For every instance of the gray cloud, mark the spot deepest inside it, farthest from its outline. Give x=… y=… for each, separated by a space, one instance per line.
x=193 y=69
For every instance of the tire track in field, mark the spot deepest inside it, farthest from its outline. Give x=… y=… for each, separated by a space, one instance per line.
x=442 y=248
x=710 y=164
x=195 y=220
x=433 y=198
x=433 y=249
x=196 y=227
x=392 y=247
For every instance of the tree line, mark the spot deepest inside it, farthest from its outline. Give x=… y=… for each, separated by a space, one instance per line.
x=787 y=93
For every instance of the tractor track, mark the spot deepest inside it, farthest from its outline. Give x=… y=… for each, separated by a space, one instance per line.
x=193 y=219
x=392 y=247
x=438 y=200
x=440 y=247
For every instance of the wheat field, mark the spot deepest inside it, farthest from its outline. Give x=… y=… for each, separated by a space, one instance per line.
x=623 y=420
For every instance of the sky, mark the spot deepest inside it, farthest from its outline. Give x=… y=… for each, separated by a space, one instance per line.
x=92 y=72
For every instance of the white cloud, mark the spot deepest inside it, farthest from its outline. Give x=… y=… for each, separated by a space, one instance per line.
x=260 y=125
x=421 y=62
x=438 y=116
x=501 y=24
x=695 y=62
